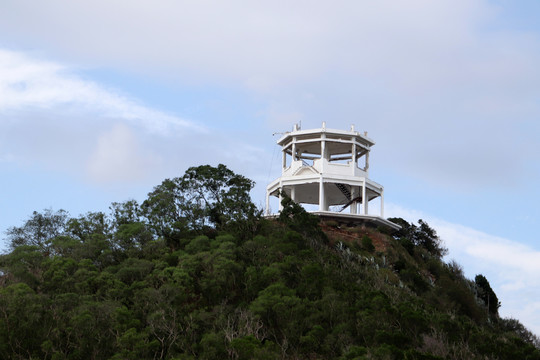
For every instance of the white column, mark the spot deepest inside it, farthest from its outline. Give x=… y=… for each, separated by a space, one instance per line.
x=367 y=206
x=322 y=196
x=364 y=202
x=294 y=149
x=354 y=205
x=367 y=162
x=353 y=160
x=284 y=160
x=280 y=195
x=324 y=157
x=293 y=193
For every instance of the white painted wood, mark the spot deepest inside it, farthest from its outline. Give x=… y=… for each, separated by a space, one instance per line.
x=320 y=159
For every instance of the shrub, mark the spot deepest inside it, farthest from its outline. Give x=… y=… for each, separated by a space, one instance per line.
x=367 y=243
x=415 y=280
x=332 y=223
x=407 y=244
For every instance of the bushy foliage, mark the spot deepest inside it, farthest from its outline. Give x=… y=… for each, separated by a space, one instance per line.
x=367 y=243
x=170 y=281
x=422 y=235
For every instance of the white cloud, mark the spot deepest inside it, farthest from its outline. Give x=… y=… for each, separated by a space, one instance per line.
x=52 y=118
x=27 y=83
x=446 y=87
x=260 y=43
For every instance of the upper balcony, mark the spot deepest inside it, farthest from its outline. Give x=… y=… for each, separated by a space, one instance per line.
x=323 y=166
x=325 y=151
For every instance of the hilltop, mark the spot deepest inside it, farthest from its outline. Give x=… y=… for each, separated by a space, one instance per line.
x=195 y=272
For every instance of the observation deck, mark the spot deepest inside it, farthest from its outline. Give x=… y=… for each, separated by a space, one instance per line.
x=328 y=169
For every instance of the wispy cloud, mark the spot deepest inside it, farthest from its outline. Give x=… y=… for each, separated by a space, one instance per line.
x=28 y=83
x=50 y=116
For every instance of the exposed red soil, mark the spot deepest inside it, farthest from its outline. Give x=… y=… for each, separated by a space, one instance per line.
x=352 y=235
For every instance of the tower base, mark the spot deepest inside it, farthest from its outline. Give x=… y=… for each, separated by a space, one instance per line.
x=356 y=219
x=352 y=219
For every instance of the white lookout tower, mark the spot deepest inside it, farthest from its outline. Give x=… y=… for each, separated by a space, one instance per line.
x=329 y=169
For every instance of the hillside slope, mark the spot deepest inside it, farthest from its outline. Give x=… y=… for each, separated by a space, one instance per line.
x=166 y=279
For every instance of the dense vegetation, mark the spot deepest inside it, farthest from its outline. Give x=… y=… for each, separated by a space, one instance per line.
x=194 y=272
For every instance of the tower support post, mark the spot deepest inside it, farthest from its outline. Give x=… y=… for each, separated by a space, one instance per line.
x=322 y=195
x=364 y=198
x=280 y=195
x=354 y=195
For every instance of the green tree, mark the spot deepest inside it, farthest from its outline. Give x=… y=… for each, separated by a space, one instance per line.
x=21 y=313
x=88 y=226
x=232 y=285
x=423 y=236
x=204 y=196
x=165 y=210
x=217 y=195
x=486 y=293
x=38 y=230
x=298 y=219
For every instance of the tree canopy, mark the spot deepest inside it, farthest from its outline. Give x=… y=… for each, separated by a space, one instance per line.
x=195 y=273
x=204 y=196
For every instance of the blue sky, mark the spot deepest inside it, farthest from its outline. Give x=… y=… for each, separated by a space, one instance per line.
x=101 y=101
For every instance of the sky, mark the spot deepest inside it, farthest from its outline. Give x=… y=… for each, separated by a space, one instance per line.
x=100 y=101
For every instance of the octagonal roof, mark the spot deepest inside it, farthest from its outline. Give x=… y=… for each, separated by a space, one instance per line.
x=331 y=135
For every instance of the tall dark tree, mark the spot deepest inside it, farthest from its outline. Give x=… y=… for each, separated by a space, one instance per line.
x=486 y=293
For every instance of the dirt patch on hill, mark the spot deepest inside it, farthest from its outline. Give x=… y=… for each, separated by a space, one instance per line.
x=351 y=235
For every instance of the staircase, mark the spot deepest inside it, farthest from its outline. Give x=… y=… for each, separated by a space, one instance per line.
x=345 y=191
